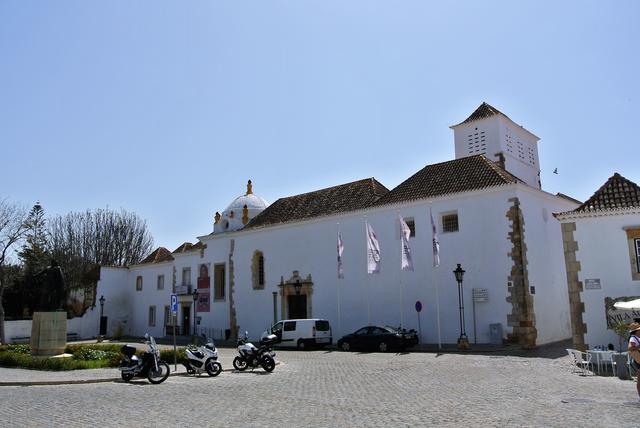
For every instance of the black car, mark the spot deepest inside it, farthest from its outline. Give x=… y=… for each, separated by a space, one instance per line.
x=378 y=338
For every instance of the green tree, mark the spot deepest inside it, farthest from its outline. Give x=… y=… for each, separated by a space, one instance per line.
x=12 y=231
x=34 y=253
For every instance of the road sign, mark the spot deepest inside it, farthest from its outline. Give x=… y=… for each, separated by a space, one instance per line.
x=418 y=306
x=480 y=294
x=174 y=303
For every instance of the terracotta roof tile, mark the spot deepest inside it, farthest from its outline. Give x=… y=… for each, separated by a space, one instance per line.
x=455 y=176
x=159 y=255
x=482 y=112
x=617 y=193
x=333 y=200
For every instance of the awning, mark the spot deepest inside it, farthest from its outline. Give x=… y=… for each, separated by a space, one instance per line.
x=631 y=304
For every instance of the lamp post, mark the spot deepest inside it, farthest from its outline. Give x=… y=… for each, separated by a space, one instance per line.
x=195 y=302
x=102 y=300
x=463 y=341
x=103 y=322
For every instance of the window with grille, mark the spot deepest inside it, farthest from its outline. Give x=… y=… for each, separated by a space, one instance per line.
x=160 y=282
x=450 y=222
x=152 y=316
x=139 y=283
x=257 y=270
x=186 y=276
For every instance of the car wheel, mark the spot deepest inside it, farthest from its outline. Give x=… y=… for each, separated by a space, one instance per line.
x=345 y=346
x=383 y=347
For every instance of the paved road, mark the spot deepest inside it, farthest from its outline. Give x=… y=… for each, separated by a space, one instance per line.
x=321 y=388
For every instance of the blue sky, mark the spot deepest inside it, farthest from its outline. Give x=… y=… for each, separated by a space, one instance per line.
x=168 y=108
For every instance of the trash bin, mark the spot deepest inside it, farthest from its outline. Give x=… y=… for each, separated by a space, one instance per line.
x=495 y=333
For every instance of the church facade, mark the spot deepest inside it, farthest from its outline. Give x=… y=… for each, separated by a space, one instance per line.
x=265 y=262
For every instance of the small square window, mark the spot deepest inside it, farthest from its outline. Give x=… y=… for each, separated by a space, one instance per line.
x=450 y=222
x=139 y=283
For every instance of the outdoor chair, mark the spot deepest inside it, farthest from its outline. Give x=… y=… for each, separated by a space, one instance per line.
x=607 y=359
x=580 y=361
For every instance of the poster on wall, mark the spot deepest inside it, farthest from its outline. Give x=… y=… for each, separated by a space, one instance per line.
x=204 y=288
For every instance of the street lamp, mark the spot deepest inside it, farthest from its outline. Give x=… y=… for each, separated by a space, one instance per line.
x=463 y=341
x=103 y=322
x=297 y=287
x=195 y=300
x=102 y=300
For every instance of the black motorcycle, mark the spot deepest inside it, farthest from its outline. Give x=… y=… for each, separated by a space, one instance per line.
x=252 y=356
x=149 y=366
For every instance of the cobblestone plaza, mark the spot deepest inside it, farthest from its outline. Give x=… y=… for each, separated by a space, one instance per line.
x=329 y=388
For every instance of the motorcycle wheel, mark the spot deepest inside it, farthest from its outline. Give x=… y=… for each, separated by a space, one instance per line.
x=268 y=363
x=240 y=364
x=126 y=376
x=160 y=375
x=213 y=367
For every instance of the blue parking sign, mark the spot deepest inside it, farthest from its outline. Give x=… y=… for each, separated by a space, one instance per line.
x=174 y=303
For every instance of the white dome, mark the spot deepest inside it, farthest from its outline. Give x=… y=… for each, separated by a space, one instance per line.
x=233 y=217
x=253 y=202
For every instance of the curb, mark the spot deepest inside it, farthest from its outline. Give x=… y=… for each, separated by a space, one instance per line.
x=90 y=381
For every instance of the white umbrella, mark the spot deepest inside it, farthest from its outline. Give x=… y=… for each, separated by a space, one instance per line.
x=631 y=304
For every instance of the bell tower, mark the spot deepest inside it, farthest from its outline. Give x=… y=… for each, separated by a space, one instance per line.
x=488 y=131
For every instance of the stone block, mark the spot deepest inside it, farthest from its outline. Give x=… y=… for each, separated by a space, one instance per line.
x=48 y=333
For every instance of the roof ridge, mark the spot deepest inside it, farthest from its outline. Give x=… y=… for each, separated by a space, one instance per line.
x=331 y=187
x=483 y=111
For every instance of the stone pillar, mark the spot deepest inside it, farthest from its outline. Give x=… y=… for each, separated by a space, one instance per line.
x=48 y=333
x=576 y=306
x=522 y=318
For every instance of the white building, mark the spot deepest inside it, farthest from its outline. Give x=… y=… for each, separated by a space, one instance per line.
x=491 y=215
x=602 y=253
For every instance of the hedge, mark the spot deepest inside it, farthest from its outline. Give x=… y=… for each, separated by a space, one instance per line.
x=85 y=356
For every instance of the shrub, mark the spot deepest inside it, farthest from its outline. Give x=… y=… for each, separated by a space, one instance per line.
x=167 y=355
x=19 y=349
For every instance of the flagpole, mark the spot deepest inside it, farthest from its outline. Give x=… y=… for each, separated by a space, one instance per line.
x=400 y=274
x=366 y=285
x=338 y=290
x=435 y=280
x=436 y=263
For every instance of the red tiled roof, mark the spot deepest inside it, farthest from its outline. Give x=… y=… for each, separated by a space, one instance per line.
x=455 y=176
x=188 y=246
x=482 y=112
x=333 y=200
x=159 y=255
x=617 y=193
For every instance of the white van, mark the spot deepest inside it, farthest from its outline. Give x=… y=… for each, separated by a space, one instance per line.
x=303 y=333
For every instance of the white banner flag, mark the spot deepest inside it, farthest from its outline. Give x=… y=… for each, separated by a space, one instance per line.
x=406 y=261
x=436 y=242
x=373 y=250
x=340 y=250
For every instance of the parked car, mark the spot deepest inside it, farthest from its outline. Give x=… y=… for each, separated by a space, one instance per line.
x=378 y=338
x=303 y=333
